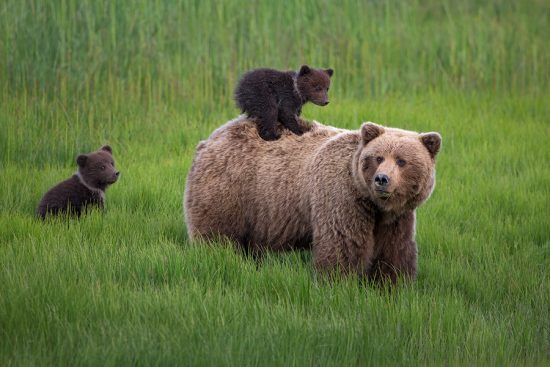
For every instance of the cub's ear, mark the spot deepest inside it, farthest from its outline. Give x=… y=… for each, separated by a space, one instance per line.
x=107 y=148
x=432 y=142
x=329 y=72
x=369 y=131
x=81 y=160
x=304 y=70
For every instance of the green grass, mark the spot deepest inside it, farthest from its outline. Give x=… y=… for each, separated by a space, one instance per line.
x=152 y=78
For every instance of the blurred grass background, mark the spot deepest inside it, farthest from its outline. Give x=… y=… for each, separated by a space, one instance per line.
x=152 y=78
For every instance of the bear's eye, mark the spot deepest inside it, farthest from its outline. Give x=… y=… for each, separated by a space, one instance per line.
x=113 y=164
x=401 y=162
x=103 y=168
x=318 y=89
x=379 y=160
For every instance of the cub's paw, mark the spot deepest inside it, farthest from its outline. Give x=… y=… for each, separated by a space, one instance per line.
x=269 y=135
x=304 y=125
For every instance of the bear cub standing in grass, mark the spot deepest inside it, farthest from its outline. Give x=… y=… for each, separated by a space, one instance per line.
x=268 y=96
x=86 y=188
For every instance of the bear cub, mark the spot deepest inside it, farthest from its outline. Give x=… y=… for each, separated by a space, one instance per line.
x=268 y=96
x=86 y=188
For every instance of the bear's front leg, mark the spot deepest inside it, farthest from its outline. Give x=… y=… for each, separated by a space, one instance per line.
x=396 y=249
x=289 y=119
x=344 y=245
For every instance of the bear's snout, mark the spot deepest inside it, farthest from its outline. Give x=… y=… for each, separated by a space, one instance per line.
x=381 y=180
x=113 y=178
x=382 y=186
x=322 y=102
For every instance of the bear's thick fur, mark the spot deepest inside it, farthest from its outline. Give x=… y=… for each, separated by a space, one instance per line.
x=86 y=188
x=268 y=96
x=349 y=195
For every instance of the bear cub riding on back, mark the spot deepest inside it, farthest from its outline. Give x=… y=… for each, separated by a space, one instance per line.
x=268 y=96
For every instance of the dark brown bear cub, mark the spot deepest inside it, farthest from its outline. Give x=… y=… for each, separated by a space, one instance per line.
x=268 y=96
x=85 y=189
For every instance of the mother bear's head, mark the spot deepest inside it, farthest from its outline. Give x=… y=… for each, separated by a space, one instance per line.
x=395 y=168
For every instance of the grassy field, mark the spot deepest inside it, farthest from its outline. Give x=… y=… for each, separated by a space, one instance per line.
x=152 y=78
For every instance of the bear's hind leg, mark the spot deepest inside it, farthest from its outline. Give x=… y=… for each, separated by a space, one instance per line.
x=266 y=123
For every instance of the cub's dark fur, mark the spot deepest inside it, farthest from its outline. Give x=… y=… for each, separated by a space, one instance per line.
x=269 y=96
x=96 y=171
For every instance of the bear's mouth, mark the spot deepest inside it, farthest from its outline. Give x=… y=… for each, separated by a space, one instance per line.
x=320 y=103
x=383 y=194
x=110 y=181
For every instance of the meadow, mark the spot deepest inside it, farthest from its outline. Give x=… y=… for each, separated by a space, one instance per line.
x=153 y=78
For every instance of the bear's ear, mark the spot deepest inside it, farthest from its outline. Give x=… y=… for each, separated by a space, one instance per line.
x=369 y=131
x=432 y=142
x=107 y=148
x=329 y=72
x=81 y=160
x=304 y=70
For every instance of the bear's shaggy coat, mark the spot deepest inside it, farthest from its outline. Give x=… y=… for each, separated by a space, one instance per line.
x=268 y=96
x=86 y=188
x=349 y=195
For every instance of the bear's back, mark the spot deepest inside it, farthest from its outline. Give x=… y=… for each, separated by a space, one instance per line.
x=237 y=139
x=237 y=180
x=68 y=196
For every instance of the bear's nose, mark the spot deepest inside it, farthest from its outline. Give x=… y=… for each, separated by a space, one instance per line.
x=117 y=173
x=325 y=103
x=381 y=180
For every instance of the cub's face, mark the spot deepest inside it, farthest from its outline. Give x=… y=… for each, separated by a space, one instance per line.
x=98 y=168
x=314 y=84
x=396 y=168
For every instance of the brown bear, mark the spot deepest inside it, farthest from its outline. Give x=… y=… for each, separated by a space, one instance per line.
x=349 y=195
x=268 y=96
x=85 y=189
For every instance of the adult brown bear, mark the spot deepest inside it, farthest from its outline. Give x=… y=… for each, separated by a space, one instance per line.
x=349 y=195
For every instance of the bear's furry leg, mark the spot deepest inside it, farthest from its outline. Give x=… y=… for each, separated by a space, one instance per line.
x=397 y=250
x=290 y=121
x=266 y=122
x=341 y=248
